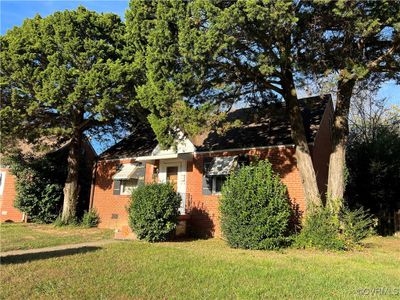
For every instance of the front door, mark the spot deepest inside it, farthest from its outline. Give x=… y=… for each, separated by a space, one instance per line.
x=172 y=177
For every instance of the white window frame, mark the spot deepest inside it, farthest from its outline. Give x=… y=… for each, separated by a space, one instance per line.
x=2 y=182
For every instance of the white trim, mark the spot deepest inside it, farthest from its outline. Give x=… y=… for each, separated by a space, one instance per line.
x=154 y=157
x=182 y=176
x=2 y=183
x=173 y=156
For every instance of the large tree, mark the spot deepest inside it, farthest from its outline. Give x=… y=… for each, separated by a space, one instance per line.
x=352 y=41
x=62 y=76
x=211 y=53
x=224 y=52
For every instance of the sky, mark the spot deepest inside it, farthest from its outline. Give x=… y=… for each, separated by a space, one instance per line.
x=13 y=12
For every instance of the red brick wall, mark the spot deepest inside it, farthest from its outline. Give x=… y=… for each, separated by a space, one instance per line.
x=103 y=199
x=7 y=210
x=322 y=149
x=203 y=209
x=150 y=172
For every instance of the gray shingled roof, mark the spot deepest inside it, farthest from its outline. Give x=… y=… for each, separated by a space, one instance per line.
x=264 y=126
x=261 y=127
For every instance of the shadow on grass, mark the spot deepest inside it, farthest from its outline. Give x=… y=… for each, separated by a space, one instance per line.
x=26 y=257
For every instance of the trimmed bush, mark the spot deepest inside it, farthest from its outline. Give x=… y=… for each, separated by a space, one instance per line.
x=90 y=218
x=255 y=209
x=320 y=231
x=153 y=212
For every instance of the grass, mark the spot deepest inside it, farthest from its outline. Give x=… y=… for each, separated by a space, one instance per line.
x=204 y=269
x=29 y=236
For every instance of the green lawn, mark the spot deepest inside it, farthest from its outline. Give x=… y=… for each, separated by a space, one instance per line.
x=203 y=269
x=29 y=236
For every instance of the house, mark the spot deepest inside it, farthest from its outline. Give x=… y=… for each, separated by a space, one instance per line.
x=197 y=167
x=8 y=194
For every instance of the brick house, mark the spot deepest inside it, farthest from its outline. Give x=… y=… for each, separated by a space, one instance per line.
x=8 y=194
x=197 y=167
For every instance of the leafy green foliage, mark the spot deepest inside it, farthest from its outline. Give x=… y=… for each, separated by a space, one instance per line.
x=39 y=186
x=217 y=53
x=356 y=225
x=255 y=209
x=63 y=76
x=320 y=231
x=90 y=218
x=153 y=34
x=62 y=73
x=153 y=212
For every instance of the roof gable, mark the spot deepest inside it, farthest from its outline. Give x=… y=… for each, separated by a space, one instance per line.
x=140 y=142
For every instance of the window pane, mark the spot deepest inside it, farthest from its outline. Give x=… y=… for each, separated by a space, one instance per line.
x=128 y=186
x=219 y=181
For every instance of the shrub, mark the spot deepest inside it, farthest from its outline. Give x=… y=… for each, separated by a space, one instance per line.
x=356 y=225
x=90 y=218
x=40 y=181
x=320 y=231
x=41 y=201
x=255 y=210
x=39 y=186
x=153 y=212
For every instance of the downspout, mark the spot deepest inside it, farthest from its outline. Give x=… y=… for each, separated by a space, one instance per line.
x=93 y=184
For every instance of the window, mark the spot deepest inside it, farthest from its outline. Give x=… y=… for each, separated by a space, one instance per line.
x=127 y=186
x=215 y=172
x=128 y=177
x=218 y=182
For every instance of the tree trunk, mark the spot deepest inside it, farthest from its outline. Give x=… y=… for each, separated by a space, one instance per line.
x=71 y=188
x=340 y=131
x=303 y=156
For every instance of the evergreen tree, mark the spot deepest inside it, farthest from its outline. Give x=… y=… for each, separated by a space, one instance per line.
x=63 y=76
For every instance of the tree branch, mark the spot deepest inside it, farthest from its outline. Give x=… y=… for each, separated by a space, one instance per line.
x=374 y=65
